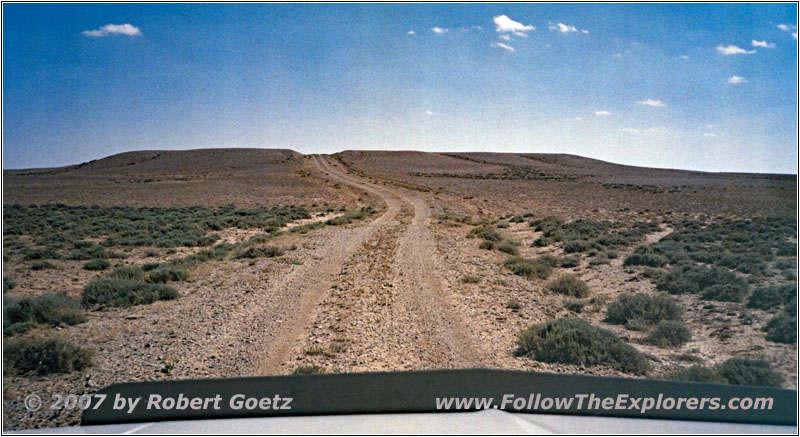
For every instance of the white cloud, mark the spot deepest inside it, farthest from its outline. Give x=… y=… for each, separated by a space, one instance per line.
x=651 y=102
x=733 y=50
x=602 y=113
x=710 y=135
x=503 y=24
x=584 y=31
x=564 y=28
x=711 y=126
x=411 y=32
x=616 y=55
x=763 y=44
x=651 y=131
x=429 y=112
x=114 y=29
x=505 y=37
x=785 y=27
x=736 y=80
x=794 y=35
x=439 y=30
x=630 y=130
x=684 y=57
x=503 y=46
x=478 y=28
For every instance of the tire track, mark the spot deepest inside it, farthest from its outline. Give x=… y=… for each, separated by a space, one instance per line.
x=420 y=328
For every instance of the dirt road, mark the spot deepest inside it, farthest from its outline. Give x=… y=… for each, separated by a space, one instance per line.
x=388 y=309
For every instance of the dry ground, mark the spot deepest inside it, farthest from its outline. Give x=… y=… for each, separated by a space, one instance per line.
x=386 y=292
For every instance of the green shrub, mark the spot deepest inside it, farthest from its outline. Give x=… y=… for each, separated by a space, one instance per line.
x=97 y=264
x=55 y=309
x=570 y=261
x=731 y=292
x=574 y=305
x=486 y=233
x=744 y=371
x=124 y=292
x=696 y=374
x=569 y=285
x=43 y=356
x=9 y=284
x=164 y=274
x=468 y=279
x=766 y=298
x=695 y=279
x=514 y=305
x=42 y=265
x=308 y=370
x=529 y=268
x=508 y=247
x=575 y=341
x=46 y=253
x=645 y=256
x=127 y=273
x=487 y=245
x=574 y=246
x=668 y=333
x=642 y=309
x=259 y=252
x=782 y=328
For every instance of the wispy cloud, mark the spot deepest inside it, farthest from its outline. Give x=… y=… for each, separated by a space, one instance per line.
x=503 y=46
x=439 y=30
x=652 y=130
x=563 y=28
x=411 y=32
x=762 y=44
x=505 y=37
x=504 y=24
x=630 y=130
x=602 y=113
x=710 y=135
x=616 y=55
x=786 y=27
x=736 y=80
x=114 y=29
x=651 y=102
x=429 y=112
x=733 y=50
x=684 y=57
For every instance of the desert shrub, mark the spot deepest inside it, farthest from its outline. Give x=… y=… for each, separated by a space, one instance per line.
x=9 y=284
x=150 y=266
x=56 y=309
x=164 y=274
x=90 y=250
x=766 y=298
x=308 y=370
x=469 y=279
x=97 y=264
x=124 y=292
x=46 y=253
x=514 y=305
x=486 y=233
x=508 y=247
x=42 y=265
x=668 y=333
x=43 y=356
x=731 y=292
x=782 y=328
x=642 y=308
x=132 y=273
x=695 y=279
x=569 y=285
x=350 y=216
x=645 y=256
x=570 y=261
x=529 y=268
x=599 y=260
x=744 y=371
x=502 y=225
x=574 y=305
x=575 y=341
x=260 y=252
x=487 y=245
x=574 y=246
x=696 y=374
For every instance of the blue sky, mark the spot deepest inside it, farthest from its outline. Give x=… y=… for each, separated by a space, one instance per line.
x=698 y=86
